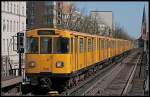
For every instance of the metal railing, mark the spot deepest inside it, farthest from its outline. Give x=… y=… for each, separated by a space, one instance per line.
x=5 y=66
x=7 y=69
x=146 y=74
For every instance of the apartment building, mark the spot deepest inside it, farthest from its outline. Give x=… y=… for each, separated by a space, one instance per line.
x=105 y=21
x=46 y=13
x=13 y=20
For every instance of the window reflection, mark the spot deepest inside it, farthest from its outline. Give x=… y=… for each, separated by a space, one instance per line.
x=32 y=45
x=46 y=45
x=61 y=45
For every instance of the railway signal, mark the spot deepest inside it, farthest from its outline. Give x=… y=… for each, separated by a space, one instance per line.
x=20 y=48
x=20 y=42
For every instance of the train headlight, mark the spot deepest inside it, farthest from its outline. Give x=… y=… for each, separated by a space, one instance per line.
x=59 y=64
x=32 y=64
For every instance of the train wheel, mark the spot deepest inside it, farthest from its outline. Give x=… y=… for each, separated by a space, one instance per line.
x=46 y=83
x=69 y=83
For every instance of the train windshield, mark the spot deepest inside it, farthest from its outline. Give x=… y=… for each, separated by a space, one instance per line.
x=45 y=45
x=60 y=45
x=32 y=45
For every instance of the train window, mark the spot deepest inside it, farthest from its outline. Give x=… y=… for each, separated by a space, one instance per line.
x=89 y=45
x=105 y=43
x=32 y=45
x=85 y=48
x=97 y=44
x=102 y=44
x=108 y=43
x=71 y=45
x=114 y=44
x=60 y=45
x=111 y=42
x=81 y=45
x=45 y=45
x=94 y=44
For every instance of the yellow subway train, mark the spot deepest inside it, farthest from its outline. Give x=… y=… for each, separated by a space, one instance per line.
x=62 y=57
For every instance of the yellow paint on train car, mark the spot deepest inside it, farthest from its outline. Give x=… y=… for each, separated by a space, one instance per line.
x=82 y=50
x=47 y=63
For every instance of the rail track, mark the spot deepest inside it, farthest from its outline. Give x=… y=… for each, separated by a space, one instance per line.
x=117 y=83
x=125 y=89
x=96 y=84
x=34 y=91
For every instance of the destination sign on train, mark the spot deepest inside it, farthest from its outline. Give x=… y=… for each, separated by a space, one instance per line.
x=46 y=32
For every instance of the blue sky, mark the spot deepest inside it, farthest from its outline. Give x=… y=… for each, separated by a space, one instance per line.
x=127 y=14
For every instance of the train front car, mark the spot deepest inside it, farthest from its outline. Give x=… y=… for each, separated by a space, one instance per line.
x=47 y=56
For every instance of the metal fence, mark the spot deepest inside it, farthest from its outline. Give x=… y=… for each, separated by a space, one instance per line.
x=7 y=69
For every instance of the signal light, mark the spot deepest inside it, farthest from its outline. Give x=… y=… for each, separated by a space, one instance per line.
x=20 y=42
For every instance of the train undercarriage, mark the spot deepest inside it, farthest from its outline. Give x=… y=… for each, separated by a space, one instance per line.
x=62 y=82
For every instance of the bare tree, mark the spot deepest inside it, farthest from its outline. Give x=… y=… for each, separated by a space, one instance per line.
x=119 y=32
x=81 y=22
x=70 y=14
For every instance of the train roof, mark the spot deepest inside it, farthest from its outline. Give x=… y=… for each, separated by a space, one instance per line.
x=76 y=33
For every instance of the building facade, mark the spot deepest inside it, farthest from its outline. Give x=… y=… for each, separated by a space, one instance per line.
x=13 y=20
x=105 y=21
x=66 y=13
x=46 y=13
x=41 y=14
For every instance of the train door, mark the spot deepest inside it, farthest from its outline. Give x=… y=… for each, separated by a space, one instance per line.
x=109 y=46
x=85 y=51
x=101 y=49
x=72 y=59
x=107 y=43
x=98 y=48
x=89 y=51
x=105 y=49
x=76 y=52
x=95 y=53
x=116 y=47
x=92 y=50
x=81 y=52
x=112 y=45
